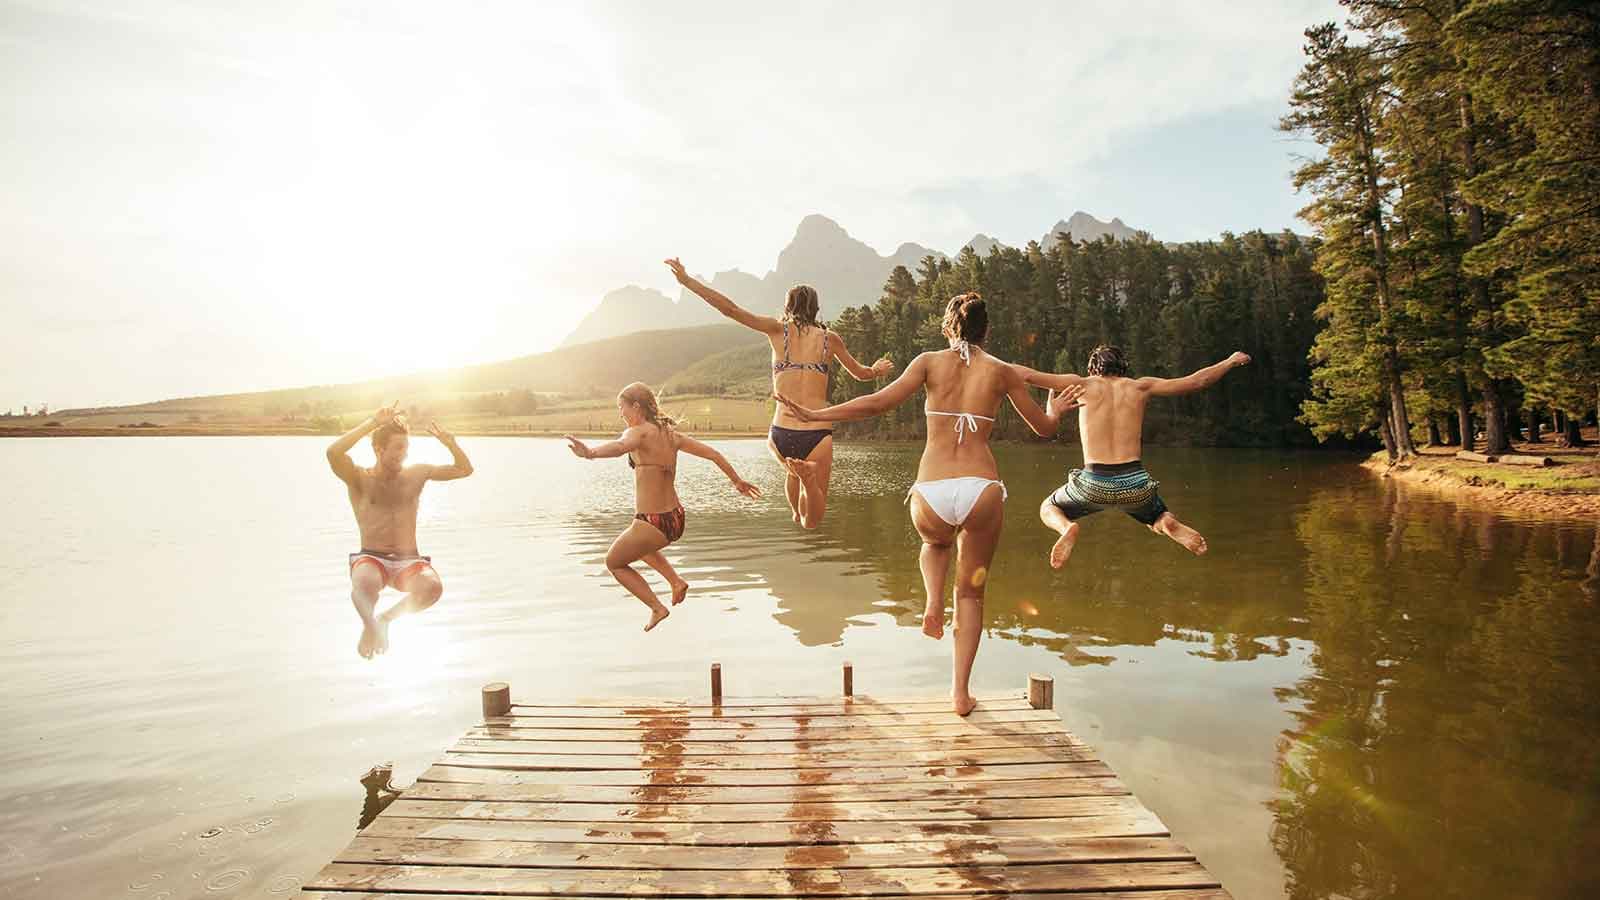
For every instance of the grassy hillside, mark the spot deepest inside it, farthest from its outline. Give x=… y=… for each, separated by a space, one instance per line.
x=508 y=390
x=740 y=372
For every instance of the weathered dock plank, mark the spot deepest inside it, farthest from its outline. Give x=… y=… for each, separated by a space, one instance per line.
x=831 y=882
x=1134 y=823
x=764 y=797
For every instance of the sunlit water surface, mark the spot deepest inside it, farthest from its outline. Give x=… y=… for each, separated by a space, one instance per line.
x=1360 y=692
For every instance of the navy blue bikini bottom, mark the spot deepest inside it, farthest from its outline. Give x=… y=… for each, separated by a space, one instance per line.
x=795 y=444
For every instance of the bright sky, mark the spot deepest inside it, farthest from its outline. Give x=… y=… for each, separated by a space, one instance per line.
x=206 y=197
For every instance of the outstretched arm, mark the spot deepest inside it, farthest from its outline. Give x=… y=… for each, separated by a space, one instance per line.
x=1194 y=381
x=694 y=448
x=872 y=404
x=1049 y=379
x=720 y=302
x=339 y=451
x=622 y=445
x=460 y=466
x=1044 y=422
x=884 y=365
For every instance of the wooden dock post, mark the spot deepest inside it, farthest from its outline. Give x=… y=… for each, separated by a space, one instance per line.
x=849 y=680
x=716 y=684
x=1041 y=692
x=496 y=699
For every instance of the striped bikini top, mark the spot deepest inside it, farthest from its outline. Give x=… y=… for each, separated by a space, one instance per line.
x=822 y=366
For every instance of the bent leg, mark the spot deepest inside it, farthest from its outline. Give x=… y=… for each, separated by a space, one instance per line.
x=815 y=471
x=423 y=589
x=658 y=561
x=937 y=536
x=1053 y=518
x=1191 y=540
x=791 y=483
x=366 y=580
x=637 y=542
x=974 y=552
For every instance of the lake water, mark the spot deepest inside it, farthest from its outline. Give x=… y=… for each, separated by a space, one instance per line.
x=1361 y=692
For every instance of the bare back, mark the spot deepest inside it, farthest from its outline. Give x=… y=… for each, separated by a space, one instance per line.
x=386 y=508
x=953 y=386
x=655 y=465
x=806 y=385
x=1111 y=421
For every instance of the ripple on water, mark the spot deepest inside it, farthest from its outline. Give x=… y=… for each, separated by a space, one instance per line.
x=227 y=880
x=283 y=884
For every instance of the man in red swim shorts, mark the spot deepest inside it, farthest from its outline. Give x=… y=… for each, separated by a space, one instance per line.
x=384 y=499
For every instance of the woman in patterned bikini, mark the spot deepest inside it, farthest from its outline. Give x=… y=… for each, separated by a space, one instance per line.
x=803 y=351
x=651 y=443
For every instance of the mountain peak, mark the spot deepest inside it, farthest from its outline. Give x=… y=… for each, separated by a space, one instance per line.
x=817 y=225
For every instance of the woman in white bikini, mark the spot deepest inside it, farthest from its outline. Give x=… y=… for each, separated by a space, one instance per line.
x=803 y=351
x=958 y=497
x=651 y=443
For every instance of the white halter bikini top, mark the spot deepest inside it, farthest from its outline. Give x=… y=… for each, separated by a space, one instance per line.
x=965 y=421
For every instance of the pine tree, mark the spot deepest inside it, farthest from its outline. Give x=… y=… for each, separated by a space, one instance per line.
x=1338 y=99
x=1537 y=63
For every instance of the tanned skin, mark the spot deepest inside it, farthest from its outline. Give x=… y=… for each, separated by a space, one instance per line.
x=384 y=499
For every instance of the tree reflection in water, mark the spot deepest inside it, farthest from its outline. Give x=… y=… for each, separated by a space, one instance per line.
x=1448 y=740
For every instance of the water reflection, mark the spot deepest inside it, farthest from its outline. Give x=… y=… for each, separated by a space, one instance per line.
x=1360 y=691
x=380 y=792
x=1448 y=741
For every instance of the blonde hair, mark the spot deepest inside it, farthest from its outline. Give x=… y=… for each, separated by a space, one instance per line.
x=801 y=306
x=640 y=395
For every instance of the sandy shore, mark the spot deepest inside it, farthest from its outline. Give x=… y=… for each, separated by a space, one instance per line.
x=1568 y=490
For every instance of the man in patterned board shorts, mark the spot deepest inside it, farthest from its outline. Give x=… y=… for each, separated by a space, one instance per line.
x=1111 y=425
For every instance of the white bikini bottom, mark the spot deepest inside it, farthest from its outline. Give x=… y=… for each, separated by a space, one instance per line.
x=952 y=499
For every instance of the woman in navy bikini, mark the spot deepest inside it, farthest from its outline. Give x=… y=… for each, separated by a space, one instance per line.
x=803 y=351
x=651 y=444
x=954 y=500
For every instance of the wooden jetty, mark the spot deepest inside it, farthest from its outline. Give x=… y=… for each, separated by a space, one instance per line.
x=840 y=796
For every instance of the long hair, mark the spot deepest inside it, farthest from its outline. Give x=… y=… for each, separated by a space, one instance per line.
x=639 y=393
x=1107 y=360
x=966 y=318
x=801 y=306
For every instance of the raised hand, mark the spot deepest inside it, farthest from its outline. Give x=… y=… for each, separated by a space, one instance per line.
x=578 y=448
x=800 y=412
x=746 y=488
x=678 y=271
x=1239 y=359
x=884 y=366
x=386 y=414
x=1070 y=398
x=439 y=432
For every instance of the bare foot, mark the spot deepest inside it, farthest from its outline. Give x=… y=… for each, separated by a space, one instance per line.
x=368 y=644
x=657 y=613
x=1064 y=545
x=1169 y=525
x=380 y=642
x=679 y=591
x=964 y=704
x=933 y=622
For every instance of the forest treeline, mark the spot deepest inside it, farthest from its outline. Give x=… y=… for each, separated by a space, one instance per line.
x=1173 y=308
x=1458 y=202
x=1451 y=295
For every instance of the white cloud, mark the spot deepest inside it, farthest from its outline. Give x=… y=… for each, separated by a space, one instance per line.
x=358 y=191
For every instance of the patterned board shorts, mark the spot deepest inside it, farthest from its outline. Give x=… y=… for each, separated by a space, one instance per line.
x=1125 y=486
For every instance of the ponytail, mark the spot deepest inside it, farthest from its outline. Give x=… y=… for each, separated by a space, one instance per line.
x=640 y=394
